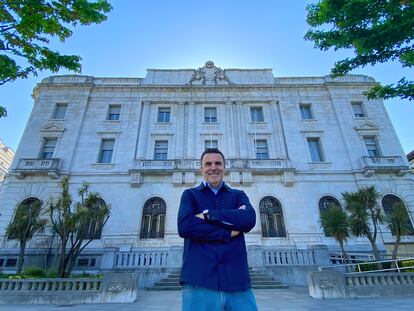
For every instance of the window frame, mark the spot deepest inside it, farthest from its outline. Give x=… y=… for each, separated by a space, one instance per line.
x=162 y=158
x=109 y=114
x=356 y=115
x=375 y=143
x=101 y=151
x=256 y=145
x=309 y=109
x=259 y=116
x=44 y=145
x=319 y=148
x=210 y=119
x=56 y=110
x=164 y=113
x=211 y=141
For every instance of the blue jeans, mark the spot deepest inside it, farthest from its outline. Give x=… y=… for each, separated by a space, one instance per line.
x=197 y=298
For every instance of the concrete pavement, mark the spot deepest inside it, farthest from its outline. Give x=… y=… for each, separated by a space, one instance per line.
x=292 y=299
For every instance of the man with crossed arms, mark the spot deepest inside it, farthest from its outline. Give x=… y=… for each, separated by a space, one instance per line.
x=212 y=219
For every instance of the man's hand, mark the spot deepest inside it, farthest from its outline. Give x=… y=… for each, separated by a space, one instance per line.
x=234 y=233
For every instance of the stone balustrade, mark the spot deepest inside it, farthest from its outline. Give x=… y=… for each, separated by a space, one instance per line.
x=141 y=259
x=289 y=257
x=25 y=167
x=119 y=287
x=391 y=164
x=334 y=284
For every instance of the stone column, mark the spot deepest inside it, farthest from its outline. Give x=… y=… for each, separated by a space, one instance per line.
x=191 y=131
x=277 y=122
x=180 y=131
x=143 y=132
x=244 y=141
x=108 y=258
x=175 y=257
x=230 y=135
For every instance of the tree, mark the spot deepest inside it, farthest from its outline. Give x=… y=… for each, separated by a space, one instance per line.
x=377 y=30
x=26 y=27
x=399 y=224
x=24 y=225
x=365 y=215
x=334 y=222
x=72 y=223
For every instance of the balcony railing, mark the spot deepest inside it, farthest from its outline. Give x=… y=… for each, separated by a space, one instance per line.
x=38 y=166
x=154 y=164
x=392 y=164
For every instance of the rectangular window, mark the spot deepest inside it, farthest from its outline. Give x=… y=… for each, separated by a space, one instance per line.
x=315 y=149
x=210 y=144
x=48 y=148
x=163 y=115
x=305 y=111
x=11 y=262
x=210 y=114
x=83 y=262
x=372 y=146
x=114 y=112
x=262 y=151
x=60 y=111
x=358 y=110
x=256 y=114
x=107 y=148
x=161 y=150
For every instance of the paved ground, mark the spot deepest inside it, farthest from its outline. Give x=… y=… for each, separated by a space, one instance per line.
x=292 y=299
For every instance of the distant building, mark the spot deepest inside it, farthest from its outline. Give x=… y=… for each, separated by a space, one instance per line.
x=6 y=158
x=410 y=158
x=292 y=144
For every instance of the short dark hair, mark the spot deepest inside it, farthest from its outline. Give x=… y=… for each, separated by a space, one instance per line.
x=212 y=150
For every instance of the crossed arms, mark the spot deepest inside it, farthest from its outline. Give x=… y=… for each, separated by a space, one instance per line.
x=222 y=224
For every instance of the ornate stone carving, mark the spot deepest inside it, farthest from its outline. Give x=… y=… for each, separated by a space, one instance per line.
x=209 y=75
x=117 y=287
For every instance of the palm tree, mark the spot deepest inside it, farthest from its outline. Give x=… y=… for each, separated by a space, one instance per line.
x=399 y=224
x=365 y=215
x=334 y=222
x=24 y=225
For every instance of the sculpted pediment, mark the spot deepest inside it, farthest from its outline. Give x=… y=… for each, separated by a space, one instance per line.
x=52 y=127
x=367 y=126
x=209 y=75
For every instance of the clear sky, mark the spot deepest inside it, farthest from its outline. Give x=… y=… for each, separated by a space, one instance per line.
x=174 y=34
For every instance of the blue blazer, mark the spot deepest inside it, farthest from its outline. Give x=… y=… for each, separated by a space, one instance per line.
x=212 y=258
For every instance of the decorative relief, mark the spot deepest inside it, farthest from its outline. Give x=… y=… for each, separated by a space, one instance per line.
x=117 y=287
x=209 y=75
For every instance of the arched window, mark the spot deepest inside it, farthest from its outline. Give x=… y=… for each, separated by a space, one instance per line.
x=93 y=228
x=271 y=217
x=26 y=213
x=388 y=203
x=327 y=202
x=153 y=219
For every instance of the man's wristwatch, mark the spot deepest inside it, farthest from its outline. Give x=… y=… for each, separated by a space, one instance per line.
x=205 y=214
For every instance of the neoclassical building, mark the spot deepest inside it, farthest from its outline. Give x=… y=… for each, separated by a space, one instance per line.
x=293 y=144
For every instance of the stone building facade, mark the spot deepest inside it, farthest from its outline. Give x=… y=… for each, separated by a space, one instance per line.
x=292 y=144
x=6 y=158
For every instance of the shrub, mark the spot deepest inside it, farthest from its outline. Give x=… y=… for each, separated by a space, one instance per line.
x=407 y=263
x=33 y=271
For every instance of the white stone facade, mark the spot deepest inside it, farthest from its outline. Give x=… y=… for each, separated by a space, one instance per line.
x=6 y=158
x=287 y=171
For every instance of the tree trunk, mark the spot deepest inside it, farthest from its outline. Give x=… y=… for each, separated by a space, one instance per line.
x=395 y=250
x=20 y=260
x=376 y=253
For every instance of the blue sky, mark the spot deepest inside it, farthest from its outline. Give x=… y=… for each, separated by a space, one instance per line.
x=141 y=34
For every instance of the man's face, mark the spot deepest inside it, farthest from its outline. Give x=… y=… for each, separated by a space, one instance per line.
x=212 y=168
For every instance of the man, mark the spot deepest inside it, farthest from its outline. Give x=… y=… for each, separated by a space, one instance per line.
x=212 y=219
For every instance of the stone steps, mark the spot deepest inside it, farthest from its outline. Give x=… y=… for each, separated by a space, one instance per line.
x=259 y=281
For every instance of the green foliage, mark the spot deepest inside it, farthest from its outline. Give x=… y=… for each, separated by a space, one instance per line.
x=334 y=222
x=33 y=271
x=85 y=275
x=73 y=223
x=407 y=263
x=3 y=112
x=378 y=31
x=27 y=26
x=24 y=225
x=365 y=214
x=399 y=220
